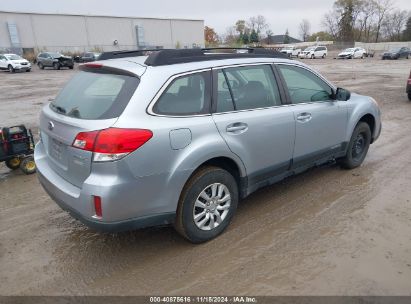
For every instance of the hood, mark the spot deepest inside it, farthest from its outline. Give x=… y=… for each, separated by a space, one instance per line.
x=345 y=53
x=19 y=61
x=62 y=56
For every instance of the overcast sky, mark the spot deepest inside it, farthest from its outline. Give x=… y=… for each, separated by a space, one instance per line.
x=218 y=14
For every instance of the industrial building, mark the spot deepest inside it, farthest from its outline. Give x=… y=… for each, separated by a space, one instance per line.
x=34 y=32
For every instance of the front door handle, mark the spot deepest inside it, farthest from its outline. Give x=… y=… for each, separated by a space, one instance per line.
x=304 y=117
x=237 y=128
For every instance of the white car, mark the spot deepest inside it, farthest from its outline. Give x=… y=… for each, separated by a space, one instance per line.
x=13 y=62
x=352 y=53
x=314 y=52
x=291 y=51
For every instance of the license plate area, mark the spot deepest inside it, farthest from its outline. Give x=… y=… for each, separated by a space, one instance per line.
x=58 y=151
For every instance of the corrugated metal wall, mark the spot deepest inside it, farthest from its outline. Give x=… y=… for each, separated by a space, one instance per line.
x=80 y=33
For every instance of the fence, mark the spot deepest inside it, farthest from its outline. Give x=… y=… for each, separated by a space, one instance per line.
x=383 y=46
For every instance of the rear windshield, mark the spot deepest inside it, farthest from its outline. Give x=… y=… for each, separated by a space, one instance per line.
x=95 y=95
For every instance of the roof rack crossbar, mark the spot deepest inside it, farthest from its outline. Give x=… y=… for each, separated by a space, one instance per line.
x=159 y=57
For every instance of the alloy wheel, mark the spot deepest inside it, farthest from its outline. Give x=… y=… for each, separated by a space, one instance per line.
x=212 y=206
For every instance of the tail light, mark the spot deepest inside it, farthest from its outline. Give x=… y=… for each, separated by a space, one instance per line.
x=113 y=143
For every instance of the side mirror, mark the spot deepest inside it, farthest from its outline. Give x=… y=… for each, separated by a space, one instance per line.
x=342 y=94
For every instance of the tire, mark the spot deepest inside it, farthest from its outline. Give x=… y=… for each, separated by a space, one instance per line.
x=204 y=182
x=357 y=147
x=13 y=163
x=312 y=56
x=409 y=96
x=11 y=69
x=29 y=70
x=56 y=66
x=41 y=66
x=28 y=166
x=71 y=67
x=323 y=56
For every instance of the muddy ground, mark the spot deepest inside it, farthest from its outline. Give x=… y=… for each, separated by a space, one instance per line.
x=325 y=232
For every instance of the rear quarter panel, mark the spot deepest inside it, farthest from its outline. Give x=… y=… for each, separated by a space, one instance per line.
x=158 y=158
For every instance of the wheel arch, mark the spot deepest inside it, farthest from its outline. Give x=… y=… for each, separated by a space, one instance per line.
x=370 y=120
x=236 y=169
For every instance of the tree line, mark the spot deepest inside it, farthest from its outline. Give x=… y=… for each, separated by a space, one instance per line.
x=347 y=21
x=367 y=21
x=253 y=31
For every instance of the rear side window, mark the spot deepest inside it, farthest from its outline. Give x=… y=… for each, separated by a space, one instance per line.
x=186 y=95
x=243 y=88
x=95 y=95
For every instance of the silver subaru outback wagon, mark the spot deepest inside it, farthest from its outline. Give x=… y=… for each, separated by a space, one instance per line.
x=179 y=136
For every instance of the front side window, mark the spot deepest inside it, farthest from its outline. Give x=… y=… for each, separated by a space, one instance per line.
x=186 y=95
x=249 y=87
x=304 y=86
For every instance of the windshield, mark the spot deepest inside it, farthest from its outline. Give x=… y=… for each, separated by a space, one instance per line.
x=55 y=55
x=95 y=95
x=395 y=50
x=349 y=50
x=13 y=57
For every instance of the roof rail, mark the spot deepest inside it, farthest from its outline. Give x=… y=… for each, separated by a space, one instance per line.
x=159 y=57
x=125 y=54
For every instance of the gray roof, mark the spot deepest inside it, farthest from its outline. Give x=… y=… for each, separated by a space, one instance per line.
x=278 y=39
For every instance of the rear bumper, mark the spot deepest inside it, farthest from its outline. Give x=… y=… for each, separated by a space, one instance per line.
x=111 y=227
x=127 y=203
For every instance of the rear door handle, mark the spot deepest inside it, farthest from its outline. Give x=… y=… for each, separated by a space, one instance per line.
x=237 y=128
x=304 y=117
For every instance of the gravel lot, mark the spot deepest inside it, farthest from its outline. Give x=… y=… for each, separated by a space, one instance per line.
x=325 y=232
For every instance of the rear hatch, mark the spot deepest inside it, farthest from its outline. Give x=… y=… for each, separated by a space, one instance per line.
x=92 y=100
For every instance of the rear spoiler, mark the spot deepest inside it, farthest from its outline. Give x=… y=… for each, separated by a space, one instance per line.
x=100 y=68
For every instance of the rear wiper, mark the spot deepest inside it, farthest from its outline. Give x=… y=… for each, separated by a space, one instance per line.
x=58 y=108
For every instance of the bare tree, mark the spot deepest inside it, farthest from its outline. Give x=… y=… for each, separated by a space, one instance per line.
x=230 y=36
x=305 y=28
x=257 y=23
x=383 y=7
x=252 y=23
x=365 y=20
x=261 y=24
x=330 y=24
x=394 y=23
